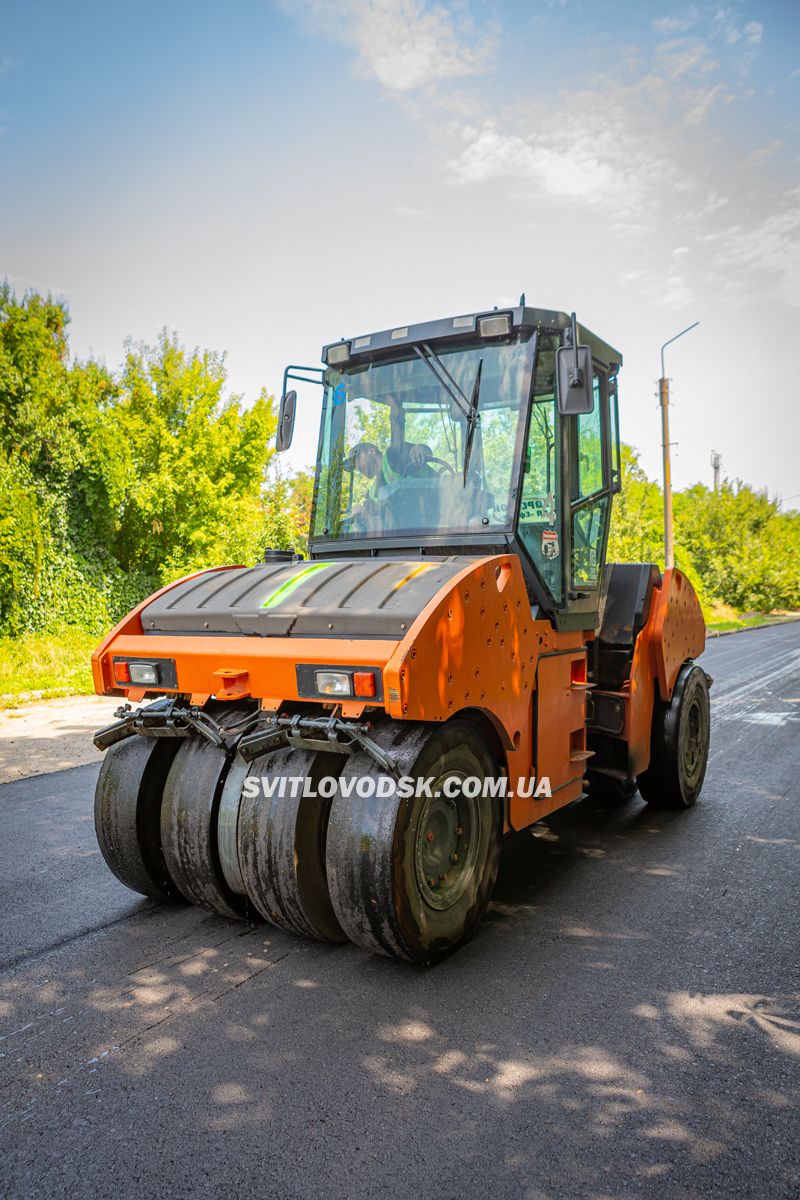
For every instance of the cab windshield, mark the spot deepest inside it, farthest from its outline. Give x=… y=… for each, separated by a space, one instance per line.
x=394 y=442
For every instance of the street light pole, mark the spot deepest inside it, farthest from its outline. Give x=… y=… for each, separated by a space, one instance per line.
x=663 y=399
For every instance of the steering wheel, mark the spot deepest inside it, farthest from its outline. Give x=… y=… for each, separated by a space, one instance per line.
x=440 y=462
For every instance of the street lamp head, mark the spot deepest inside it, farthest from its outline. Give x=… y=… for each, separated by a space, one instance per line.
x=688 y=329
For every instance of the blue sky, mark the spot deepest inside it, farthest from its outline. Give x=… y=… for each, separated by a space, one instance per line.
x=263 y=177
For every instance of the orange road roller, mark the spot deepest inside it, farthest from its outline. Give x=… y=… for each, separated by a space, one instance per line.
x=340 y=744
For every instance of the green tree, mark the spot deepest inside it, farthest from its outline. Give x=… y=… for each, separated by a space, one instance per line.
x=196 y=463
x=111 y=484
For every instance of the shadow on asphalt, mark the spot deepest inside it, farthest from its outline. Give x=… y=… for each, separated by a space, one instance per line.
x=590 y=1035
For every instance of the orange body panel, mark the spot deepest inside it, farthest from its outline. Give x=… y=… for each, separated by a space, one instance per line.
x=260 y=667
x=675 y=631
x=561 y=726
x=476 y=646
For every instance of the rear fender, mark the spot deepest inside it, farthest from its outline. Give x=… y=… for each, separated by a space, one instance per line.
x=675 y=631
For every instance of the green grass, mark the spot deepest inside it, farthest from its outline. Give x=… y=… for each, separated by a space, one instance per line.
x=37 y=666
x=750 y=622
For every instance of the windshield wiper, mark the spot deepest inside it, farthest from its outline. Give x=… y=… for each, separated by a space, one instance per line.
x=472 y=418
x=443 y=378
x=467 y=408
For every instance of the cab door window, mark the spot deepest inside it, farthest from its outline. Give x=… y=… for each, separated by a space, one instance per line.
x=590 y=500
x=540 y=506
x=590 y=446
x=588 y=540
x=613 y=428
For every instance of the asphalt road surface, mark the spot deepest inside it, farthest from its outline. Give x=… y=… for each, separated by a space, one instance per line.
x=627 y=1020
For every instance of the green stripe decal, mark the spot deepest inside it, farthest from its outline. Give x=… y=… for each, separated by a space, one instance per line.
x=279 y=595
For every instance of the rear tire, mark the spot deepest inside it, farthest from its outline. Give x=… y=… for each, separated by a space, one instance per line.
x=127 y=814
x=413 y=877
x=680 y=738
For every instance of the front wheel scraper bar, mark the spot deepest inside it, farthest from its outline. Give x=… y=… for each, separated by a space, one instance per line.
x=169 y=718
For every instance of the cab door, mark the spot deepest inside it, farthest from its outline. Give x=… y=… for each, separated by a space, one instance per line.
x=593 y=455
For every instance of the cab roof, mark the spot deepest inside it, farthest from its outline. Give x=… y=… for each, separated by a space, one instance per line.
x=464 y=328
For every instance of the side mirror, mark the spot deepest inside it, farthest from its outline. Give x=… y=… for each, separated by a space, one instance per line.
x=283 y=436
x=574 y=377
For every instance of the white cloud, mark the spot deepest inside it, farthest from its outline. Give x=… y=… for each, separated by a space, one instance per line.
x=762 y=153
x=628 y=152
x=768 y=249
x=603 y=152
x=712 y=203
x=680 y=56
x=564 y=168
x=405 y=210
x=699 y=103
x=751 y=35
x=404 y=44
x=674 y=292
x=747 y=36
x=676 y=23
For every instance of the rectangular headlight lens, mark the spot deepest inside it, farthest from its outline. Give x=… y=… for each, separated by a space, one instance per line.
x=338 y=354
x=144 y=673
x=494 y=326
x=333 y=683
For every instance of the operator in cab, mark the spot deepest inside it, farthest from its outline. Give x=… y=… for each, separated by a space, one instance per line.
x=403 y=461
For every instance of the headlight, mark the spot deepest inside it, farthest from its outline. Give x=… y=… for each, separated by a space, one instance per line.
x=333 y=683
x=338 y=354
x=147 y=673
x=494 y=326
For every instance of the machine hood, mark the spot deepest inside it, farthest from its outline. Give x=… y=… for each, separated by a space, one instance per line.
x=352 y=598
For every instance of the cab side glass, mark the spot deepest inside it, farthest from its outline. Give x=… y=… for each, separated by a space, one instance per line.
x=613 y=424
x=590 y=446
x=540 y=516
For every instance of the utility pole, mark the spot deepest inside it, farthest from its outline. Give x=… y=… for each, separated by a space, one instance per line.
x=663 y=399
x=716 y=463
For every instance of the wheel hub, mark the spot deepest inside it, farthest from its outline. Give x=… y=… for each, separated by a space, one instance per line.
x=694 y=744
x=447 y=844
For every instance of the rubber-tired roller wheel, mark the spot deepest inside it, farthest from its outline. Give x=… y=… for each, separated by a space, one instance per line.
x=412 y=877
x=679 y=743
x=127 y=814
x=281 y=841
x=189 y=823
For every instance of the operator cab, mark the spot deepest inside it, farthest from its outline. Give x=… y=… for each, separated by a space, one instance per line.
x=458 y=437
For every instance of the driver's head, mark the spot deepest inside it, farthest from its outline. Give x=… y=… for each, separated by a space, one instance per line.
x=365 y=458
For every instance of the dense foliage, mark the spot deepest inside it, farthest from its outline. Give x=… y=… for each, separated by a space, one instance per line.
x=735 y=545
x=112 y=483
